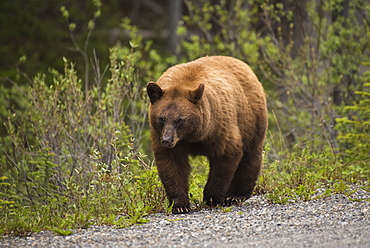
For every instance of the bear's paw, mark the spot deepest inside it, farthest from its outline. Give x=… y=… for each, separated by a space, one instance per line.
x=180 y=210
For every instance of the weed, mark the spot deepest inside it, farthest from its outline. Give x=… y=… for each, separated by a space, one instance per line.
x=227 y=209
x=281 y=196
x=62 y=232
x=366 y=187
x=134 y=218
x=358 y=199
x=198 y=179
x=304 y=193
x=178 y=219
x=339 y=187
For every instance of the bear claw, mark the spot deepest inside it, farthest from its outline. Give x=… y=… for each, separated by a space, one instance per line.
x=181 y=210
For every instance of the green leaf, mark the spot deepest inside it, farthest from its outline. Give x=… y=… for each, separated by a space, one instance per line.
x=62 y=232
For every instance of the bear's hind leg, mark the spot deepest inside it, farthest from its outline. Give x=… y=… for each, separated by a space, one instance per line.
x=245 y=177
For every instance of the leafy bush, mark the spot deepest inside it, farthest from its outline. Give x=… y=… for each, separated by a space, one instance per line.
x=74 y=147
x=354 y=128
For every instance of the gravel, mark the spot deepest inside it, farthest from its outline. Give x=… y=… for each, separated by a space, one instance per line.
x=335 y=221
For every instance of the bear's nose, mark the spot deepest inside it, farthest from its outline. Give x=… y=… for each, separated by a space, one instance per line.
x=166 y=141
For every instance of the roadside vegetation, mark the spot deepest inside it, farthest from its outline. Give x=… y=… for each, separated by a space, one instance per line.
x=76 y=152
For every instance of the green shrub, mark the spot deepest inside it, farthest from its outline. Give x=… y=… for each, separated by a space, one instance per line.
x=74 y=148
x=354 y=128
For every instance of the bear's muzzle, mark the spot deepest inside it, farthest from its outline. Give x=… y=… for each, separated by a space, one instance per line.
x=169 y=137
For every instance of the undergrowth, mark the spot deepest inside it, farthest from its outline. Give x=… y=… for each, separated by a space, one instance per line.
x=71 y=161
x=304 y=176
x=72 y=158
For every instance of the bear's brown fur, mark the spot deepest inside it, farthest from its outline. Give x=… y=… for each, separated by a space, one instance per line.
x=214 y=106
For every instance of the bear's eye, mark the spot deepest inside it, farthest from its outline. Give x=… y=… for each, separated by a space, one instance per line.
x=180 y=121
x=161 y=120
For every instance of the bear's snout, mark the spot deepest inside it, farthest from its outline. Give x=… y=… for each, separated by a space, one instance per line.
x=169 y=138
x=167 y=141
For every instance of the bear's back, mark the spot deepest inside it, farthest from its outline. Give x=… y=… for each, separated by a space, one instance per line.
x=214 y=71
x=224 y=77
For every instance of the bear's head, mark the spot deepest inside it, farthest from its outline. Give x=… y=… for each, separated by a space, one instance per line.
x=175 y=114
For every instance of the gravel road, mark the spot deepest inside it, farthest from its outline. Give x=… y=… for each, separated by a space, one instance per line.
x=335 y=221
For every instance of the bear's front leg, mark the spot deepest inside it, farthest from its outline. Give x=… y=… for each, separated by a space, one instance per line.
x=221 y=173
x=174 y=170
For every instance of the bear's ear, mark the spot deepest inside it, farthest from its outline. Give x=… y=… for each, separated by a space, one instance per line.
x=196 y=95
x=154 y=92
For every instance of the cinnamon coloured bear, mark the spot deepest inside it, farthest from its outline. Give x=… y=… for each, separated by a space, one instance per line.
x=214 y=106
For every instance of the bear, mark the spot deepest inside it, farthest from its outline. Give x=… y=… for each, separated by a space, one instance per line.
x=215 y=107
